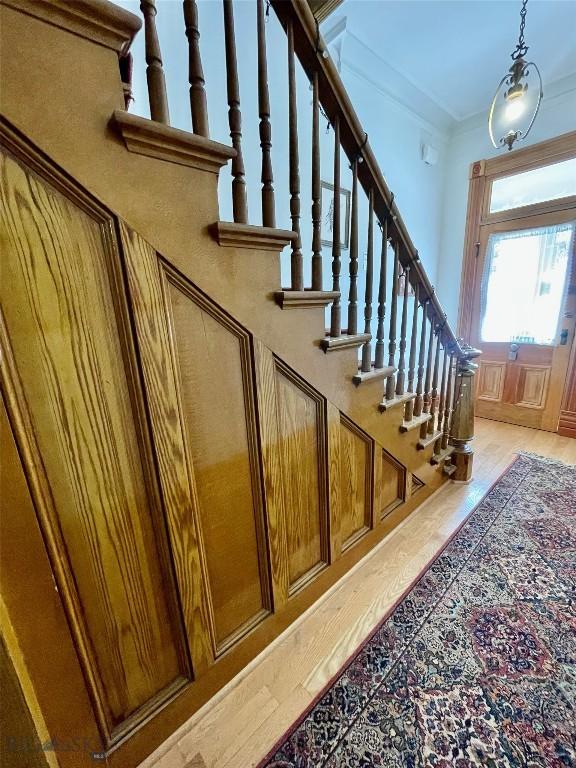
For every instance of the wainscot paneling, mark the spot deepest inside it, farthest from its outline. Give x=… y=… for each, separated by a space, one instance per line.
x=69 y=373
x=390 y=483
x=189 y=493
x=293 y=425
x=356 y=466
x=198 y=367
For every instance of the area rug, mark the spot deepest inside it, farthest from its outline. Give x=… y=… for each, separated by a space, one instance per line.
x=476 y=665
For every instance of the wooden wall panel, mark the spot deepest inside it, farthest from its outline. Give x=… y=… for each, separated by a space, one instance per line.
x=214 y=367
x=293 y=432
x=356 y=467
x=69 y=376
x=391 y=490
x=302 y=431
x=198 y=364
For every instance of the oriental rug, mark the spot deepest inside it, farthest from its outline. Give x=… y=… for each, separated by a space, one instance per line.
x=476 y=664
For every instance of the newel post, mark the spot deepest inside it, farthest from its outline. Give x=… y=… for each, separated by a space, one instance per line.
x=462 y=432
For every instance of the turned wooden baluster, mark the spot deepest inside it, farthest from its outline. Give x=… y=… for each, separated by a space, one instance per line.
x=154 y=73
x=316 y=190
x=353 y=292
x=448 y=404
x=434 y=393
x=442 y=402
x=195 y=72
x=409 y=407
x=402 y=344
x=379 y=354
x=418 y=402
x=265 y=129
x=335 y=318
x=296 y=265
x=239 y=201
x=428 y=375
x=390 y=381
x=367 y=347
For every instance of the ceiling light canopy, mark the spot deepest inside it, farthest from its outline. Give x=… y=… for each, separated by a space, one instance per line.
x=517 y=98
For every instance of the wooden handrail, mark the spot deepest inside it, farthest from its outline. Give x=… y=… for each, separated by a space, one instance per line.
x=309 y=47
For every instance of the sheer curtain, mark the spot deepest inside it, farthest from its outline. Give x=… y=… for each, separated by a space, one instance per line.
x=524 y=284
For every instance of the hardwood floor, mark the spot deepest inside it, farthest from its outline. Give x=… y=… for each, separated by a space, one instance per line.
x=237 y=727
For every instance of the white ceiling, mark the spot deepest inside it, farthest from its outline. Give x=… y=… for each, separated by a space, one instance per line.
x=456 y=51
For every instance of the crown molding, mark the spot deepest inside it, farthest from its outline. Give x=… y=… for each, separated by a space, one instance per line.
x=362 y=61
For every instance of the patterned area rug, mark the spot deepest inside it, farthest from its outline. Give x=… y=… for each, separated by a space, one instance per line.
x=476 y=666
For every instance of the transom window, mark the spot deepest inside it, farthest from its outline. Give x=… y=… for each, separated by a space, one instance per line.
x=550 y=182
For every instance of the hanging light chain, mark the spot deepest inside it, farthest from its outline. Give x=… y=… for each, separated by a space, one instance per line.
x=521 y=47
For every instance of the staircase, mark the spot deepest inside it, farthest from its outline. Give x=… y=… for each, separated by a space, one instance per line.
x=194 y=456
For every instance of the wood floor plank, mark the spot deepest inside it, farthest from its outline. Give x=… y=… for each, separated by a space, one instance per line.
x=243 y=722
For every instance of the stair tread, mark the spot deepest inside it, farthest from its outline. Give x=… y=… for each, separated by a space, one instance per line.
x=163 y=142
x=387 y=405
x=416 y=421
x=288 y=299
x=373 y=374
x=233 y=235
x=437 y=458
x=425 y=442
x=344 y=341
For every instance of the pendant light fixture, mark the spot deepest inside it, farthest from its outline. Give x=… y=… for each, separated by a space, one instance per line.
x=517 y=98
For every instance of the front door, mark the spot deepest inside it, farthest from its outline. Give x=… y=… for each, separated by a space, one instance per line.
x=523 y=317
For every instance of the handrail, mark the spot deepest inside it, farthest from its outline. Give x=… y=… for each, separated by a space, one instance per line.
x=309 y=47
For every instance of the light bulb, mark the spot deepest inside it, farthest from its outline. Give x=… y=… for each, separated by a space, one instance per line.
x=515 y=108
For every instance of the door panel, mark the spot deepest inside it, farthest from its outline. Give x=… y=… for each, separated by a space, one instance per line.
x=71 y=380
x=491 y=380
x=523 y=383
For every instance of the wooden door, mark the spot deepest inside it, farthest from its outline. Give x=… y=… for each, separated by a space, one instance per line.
x=523 y=317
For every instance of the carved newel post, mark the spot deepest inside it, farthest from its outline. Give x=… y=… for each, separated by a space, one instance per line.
x=462 y=432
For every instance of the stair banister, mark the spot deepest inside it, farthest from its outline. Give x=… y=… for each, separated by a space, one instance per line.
x=309 y=47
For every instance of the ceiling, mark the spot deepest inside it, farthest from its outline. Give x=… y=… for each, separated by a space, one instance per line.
x=456 y=51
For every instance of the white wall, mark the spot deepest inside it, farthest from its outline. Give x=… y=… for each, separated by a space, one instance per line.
x=470 y=142
x=397 y=132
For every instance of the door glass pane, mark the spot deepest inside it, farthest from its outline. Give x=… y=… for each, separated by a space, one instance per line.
x=524 y=283
x=548 y=183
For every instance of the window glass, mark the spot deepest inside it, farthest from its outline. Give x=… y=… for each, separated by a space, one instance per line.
x=550 y=182
x=524 y=283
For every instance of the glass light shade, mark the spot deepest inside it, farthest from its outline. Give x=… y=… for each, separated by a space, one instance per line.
x=515 y=104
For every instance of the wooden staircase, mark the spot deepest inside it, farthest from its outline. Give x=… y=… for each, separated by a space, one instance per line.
x=263 y=454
